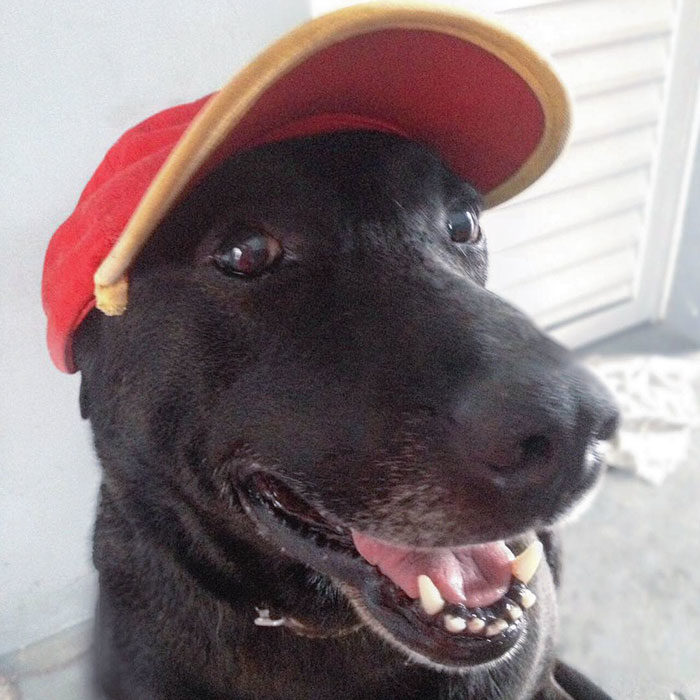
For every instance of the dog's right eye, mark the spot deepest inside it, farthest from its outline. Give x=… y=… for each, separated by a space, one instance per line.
x=248 y=258
x=463 y=226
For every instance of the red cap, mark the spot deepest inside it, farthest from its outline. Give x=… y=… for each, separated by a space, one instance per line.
x=485 y=101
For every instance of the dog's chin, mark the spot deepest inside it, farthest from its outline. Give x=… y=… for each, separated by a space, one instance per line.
x=455 y=637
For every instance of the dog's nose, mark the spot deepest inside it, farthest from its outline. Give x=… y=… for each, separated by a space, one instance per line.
x=533 y=426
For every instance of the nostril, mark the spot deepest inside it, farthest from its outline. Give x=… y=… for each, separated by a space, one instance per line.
x=535 y=449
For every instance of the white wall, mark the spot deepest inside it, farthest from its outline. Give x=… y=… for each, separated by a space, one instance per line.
x=74 y=76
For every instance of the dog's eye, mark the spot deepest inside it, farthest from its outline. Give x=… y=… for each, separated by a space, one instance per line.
x=463 y=226
x=249 y=257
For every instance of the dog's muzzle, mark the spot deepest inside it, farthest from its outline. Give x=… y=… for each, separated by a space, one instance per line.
x=449 y=606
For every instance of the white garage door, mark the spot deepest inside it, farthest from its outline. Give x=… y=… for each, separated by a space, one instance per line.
x=587 y=250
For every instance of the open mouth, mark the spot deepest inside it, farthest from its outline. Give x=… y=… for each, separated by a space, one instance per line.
x=454 y=607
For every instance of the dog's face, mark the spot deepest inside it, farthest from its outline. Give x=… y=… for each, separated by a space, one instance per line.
x=310 y=361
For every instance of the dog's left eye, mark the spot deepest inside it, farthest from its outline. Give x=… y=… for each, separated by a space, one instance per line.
x=249 y=257
x=463 y=226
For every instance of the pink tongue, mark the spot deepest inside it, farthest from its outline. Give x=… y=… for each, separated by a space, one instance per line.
x=476 y=575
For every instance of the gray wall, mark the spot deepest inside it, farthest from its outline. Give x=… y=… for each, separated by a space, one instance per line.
x=683 y=314
x=74 y=76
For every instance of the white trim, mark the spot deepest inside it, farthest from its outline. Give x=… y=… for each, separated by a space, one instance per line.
x=681 y=212
x=670 y=178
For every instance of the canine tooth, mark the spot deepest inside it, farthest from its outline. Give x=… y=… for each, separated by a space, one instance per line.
x=475 y=625
x=495 y=627
x=455 y=624
x=527 y=598
x=515 y=612
x=430 y=599
x=523 y=567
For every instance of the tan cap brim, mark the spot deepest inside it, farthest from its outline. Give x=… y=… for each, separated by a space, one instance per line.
x=470 y=89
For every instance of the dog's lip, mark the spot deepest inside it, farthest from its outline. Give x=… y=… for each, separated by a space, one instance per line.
x=326 y=546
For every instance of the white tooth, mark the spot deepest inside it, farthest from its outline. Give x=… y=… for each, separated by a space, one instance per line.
x=430 y=598
x=264 y=620
x=495 y=627
x=455 y=624
x=475 y=625
x=523 y=567
x=527 y=598
x=514 y=612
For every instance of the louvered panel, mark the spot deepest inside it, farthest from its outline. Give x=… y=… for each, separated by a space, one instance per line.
x=564 y=250
x=608 y=112
x=603 y=68
x=516 y=224
x=557 y=290
x=598 y=158
x=487 y=7
x=560 y=26
x=573 y=310
x=570 y=25
x=615 y=71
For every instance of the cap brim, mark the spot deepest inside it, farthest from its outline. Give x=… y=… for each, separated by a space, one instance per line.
x=485 y=101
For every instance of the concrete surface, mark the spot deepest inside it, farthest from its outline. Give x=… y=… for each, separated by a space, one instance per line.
x=630 y=614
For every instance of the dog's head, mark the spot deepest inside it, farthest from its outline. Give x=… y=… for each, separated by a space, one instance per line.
x=310 y=361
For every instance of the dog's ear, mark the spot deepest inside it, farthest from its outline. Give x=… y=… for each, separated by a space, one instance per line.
x=85 y=346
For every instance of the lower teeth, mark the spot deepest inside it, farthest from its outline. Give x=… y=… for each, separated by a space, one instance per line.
x=476 y=625
x=514 y=612
x=495 y=627
x=527 y=598
x=487 y=622
x=455 y=624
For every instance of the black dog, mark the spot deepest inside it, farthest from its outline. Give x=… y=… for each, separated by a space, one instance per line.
x=310 y=364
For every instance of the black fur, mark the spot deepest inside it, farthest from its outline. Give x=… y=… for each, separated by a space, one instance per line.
x=370 y=370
